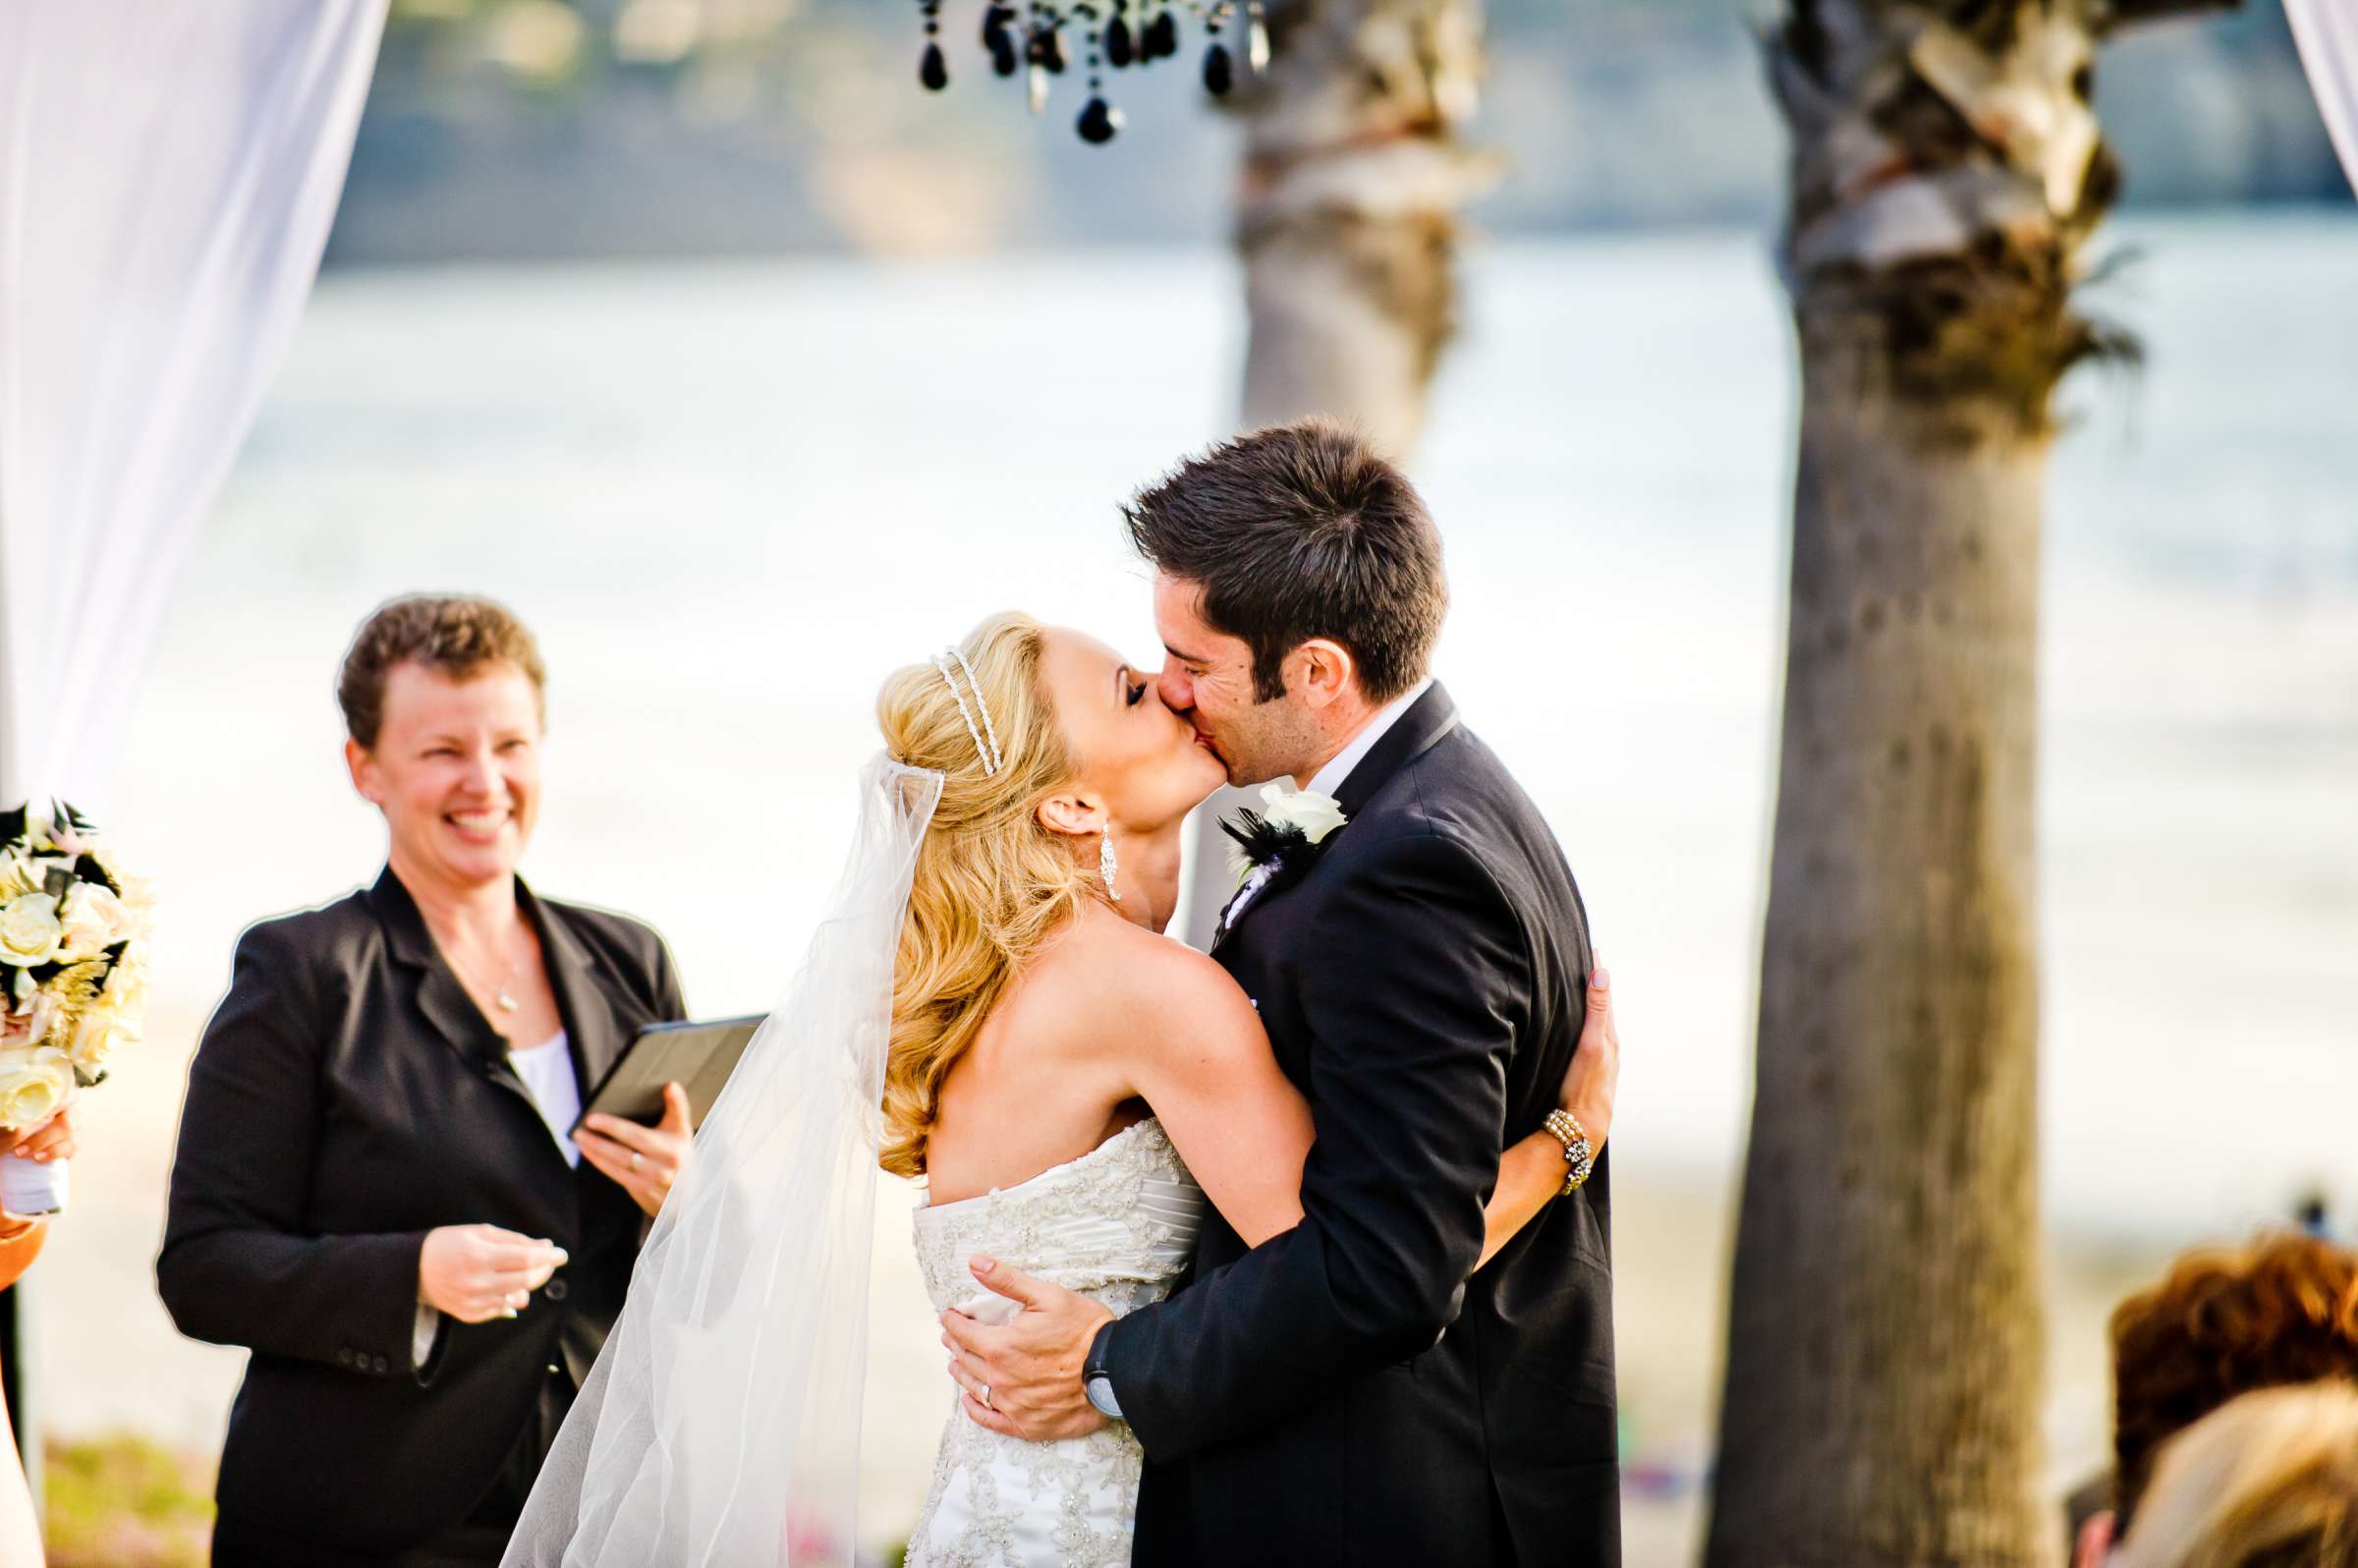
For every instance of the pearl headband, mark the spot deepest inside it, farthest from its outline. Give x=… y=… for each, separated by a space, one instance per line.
x=986 y=735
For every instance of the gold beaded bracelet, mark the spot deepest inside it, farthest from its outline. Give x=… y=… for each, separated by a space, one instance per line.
x=1580 y=1161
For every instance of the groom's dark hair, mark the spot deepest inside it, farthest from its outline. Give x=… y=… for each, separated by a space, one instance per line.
x=1301 y=531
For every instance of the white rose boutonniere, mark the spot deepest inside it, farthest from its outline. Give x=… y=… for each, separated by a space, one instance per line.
x=1293 y=826
x=1316 y=816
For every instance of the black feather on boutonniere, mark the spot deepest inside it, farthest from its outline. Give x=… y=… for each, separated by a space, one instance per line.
x=1277 y=844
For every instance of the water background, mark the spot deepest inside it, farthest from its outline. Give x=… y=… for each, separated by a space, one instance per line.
x=729 y=497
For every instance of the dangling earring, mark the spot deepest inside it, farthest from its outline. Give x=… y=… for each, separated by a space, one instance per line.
x=1106 y=865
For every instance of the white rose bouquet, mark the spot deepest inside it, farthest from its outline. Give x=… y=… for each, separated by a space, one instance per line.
x=74 y=930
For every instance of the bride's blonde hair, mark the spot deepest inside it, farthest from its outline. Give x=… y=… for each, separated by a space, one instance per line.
x=991 y=884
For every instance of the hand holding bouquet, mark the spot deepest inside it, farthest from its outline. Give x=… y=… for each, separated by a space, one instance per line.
x=73 y=979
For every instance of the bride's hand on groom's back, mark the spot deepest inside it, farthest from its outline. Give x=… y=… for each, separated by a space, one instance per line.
x=1595 y=1071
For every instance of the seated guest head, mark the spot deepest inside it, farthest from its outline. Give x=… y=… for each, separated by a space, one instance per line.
x=2269 y=1480
x=2223 y=1323
x=442 y=698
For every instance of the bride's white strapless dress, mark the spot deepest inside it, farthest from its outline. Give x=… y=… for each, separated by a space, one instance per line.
x=1117 y=1225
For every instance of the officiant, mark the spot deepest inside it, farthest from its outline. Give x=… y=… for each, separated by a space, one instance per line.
x=377 y=1188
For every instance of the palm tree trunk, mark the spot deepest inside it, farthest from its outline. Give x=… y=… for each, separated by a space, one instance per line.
x=1354 y=174
x=1885 y=1350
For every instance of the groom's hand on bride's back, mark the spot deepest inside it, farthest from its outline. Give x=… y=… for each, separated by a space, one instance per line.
x=1023 y=1378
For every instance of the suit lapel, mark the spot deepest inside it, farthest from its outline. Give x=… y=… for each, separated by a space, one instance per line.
x=440 y=997
x=590 y=1029
x=1423 y=727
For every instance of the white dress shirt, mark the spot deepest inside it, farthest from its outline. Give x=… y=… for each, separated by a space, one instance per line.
x=548 y=1071
x=1329 y=779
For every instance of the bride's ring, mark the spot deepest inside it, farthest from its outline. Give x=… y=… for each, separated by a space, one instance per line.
x=987 y=1404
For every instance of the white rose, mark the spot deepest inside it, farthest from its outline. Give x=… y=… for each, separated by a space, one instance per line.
x=29 y=930
x=1315 y=814
x=94 y=920
x=96 y=1037
x=33 y=1087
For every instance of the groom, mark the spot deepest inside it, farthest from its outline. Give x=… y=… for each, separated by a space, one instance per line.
x=1352 y=1391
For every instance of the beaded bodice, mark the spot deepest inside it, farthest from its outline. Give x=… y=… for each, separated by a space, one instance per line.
x=1117 y=1225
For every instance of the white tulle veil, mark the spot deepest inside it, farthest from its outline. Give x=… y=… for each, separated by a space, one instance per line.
x=721 y=1427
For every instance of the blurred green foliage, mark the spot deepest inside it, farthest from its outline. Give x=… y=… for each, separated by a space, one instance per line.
x=125 y=1502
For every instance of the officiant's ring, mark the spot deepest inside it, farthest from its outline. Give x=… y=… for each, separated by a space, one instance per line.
x=987 y=1404
x=634 y=1159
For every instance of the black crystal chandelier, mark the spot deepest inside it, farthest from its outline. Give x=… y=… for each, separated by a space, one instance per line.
x=1039 y=39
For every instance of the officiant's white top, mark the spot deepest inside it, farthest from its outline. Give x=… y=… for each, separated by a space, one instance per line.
x=1117 y=1225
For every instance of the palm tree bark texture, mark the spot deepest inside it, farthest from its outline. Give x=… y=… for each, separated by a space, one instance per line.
x=1885 y=1350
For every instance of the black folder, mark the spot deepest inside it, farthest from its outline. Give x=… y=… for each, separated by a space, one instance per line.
x=698 y=1057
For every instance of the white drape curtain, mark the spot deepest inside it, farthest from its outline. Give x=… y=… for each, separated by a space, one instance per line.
x=2328 y=33
x=168 y=171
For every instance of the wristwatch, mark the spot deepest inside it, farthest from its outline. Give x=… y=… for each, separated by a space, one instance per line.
x=1579 y=1160
x=1096 y=1377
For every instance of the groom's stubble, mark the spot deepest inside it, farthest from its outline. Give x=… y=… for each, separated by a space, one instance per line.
x=1208 y=678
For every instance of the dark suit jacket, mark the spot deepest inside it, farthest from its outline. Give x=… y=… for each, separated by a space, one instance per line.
x=1347 y=1392
x=348 y=1098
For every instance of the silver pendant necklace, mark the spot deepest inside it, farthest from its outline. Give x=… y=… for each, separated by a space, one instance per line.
x=505 y=996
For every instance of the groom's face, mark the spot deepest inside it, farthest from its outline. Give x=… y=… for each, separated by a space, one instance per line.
x=1208 y=680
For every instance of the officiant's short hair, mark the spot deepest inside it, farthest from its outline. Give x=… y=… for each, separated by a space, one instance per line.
x=456 y=633
x=1303 y=530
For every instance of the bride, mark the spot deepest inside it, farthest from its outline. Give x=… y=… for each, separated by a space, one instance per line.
x=1071 y=1086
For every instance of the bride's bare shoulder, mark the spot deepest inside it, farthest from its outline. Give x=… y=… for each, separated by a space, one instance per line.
x=1107 y=972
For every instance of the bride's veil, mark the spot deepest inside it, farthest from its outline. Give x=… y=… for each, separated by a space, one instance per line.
x=721 y=1424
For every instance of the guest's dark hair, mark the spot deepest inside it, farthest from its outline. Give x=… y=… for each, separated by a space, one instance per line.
x=2221 y=1324
x=1301 y=531
x=455 y=634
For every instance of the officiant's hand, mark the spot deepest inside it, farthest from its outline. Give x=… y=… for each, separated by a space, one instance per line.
x=1023 y=1379
x=643 y=1162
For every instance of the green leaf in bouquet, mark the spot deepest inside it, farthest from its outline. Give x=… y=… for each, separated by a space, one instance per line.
x=58 y=883
x=64 y=811
x=13 y=824
x=87 y=869
x=84 y=1077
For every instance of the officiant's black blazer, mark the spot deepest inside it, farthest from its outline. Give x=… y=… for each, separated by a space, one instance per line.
x=1345 y=1392
x=348 y=1097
